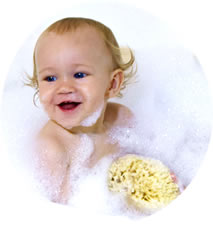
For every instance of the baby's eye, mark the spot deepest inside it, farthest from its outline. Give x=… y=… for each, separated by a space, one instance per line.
x=80 y=75
x=50 y=78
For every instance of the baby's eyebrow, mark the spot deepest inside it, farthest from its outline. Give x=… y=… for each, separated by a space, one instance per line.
x=73 y=65
x=46 y=69
x=82 y=65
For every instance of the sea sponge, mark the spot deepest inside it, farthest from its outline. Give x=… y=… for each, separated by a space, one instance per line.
x=146 y=183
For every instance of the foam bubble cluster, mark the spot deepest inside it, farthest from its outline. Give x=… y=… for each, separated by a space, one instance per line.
x=173 y=114
x=92 y=119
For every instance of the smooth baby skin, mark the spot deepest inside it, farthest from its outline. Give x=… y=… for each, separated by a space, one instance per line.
x=76 y=78
x=59 y=150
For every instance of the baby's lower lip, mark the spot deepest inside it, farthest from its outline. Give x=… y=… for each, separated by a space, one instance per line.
x=69 y=107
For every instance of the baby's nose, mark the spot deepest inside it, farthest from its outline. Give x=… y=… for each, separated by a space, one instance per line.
x=66 y=87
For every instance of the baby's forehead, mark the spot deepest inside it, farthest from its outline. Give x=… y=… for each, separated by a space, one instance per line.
x=85 y=38
x=84 y=35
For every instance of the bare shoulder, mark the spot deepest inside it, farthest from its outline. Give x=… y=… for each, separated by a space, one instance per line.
x=118 y=114
x=48 y=138
x=49 y=147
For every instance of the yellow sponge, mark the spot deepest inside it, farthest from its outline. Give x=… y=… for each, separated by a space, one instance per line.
x=147 y=183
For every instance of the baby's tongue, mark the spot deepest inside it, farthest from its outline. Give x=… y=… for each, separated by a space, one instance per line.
x=68 y=106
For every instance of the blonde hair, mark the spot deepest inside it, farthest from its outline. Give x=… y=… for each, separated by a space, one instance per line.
x=118 y=54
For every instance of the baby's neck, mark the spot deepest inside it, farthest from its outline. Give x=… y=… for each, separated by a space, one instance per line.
x=93 y=130
x=98 y=128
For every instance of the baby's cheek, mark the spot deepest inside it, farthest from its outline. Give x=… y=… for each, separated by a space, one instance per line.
x=45 y=96
x=92 y=95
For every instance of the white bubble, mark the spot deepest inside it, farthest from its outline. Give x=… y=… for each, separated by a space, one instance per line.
x=92 y=119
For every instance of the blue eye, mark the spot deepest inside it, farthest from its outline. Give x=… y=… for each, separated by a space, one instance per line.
x=50 y=78
x=80 y=75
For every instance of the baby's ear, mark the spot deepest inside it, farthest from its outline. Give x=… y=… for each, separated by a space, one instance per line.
x=116 y=80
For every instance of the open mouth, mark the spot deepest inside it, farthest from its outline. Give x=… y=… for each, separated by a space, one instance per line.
x=68 y=106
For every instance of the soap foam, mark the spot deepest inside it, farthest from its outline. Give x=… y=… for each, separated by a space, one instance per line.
x=173 y=116
x=92 y=119
x=91 y=192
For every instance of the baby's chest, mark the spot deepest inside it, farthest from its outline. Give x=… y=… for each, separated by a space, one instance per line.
x=88 y=150
x=102 y=148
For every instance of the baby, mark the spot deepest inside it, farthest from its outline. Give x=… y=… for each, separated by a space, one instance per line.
x=78 y=67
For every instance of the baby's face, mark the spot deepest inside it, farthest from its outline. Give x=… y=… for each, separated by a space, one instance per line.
x=74 y=72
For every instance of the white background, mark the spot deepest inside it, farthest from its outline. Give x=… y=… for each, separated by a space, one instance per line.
x=193 y=23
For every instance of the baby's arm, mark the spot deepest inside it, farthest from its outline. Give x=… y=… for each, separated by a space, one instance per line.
x=53 y=165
